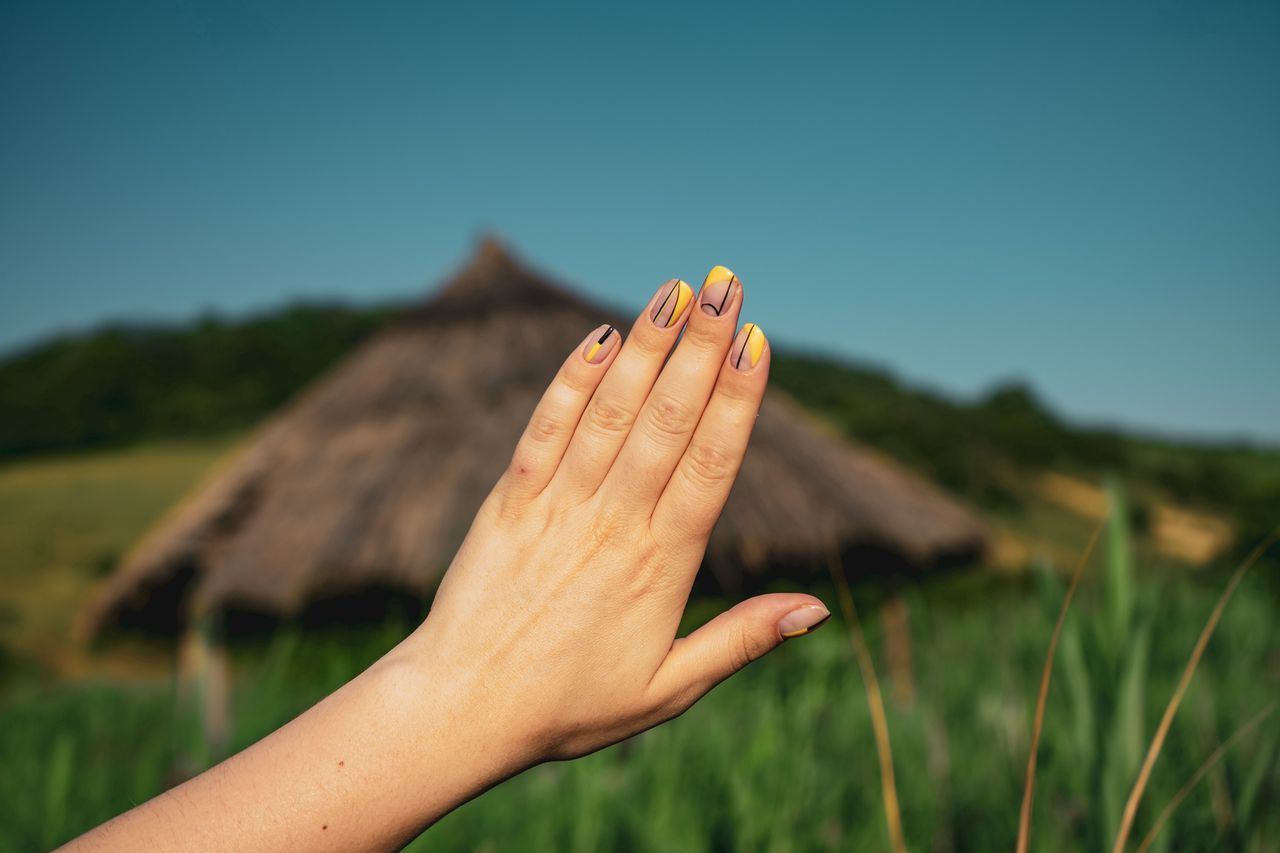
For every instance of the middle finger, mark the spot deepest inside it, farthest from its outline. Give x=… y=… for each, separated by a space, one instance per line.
x=675 y=405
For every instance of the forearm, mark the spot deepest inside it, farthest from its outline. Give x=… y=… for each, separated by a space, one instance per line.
x=367 y=768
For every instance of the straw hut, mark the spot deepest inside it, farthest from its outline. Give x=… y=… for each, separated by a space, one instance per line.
x=366 y=483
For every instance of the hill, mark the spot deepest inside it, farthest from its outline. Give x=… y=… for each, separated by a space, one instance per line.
x=123 y=385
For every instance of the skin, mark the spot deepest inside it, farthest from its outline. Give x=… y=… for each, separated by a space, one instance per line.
x=553 y=633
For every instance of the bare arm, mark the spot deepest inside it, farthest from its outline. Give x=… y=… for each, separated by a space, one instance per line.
x=554 y=631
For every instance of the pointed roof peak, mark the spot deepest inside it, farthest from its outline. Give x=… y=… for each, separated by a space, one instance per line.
x=492 y=280
x=491 y=252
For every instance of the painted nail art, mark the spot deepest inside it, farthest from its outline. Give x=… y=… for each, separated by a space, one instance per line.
x=747 y=347
x=675 y=297
x=804 y=620
x=717 y=290
x=598 y=348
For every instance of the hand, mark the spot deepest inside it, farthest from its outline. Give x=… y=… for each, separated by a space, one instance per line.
x=570 y=586
x=554 y=631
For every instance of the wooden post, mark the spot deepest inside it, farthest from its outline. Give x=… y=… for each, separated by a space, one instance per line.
x=897 y=641
x=204 y=686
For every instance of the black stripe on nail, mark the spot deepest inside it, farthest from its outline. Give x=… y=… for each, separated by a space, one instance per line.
x=725 y=298
x=741 y=352
x=605 y=336
x=665 y=299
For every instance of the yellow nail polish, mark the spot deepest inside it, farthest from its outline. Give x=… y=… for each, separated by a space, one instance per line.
x=748 y=347
x=717 y=290
x=672 y=306
x=599 y=348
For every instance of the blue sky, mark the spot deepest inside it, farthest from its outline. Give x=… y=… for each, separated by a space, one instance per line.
x=1085 y=196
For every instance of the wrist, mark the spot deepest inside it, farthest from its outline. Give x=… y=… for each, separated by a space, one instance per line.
x=462 y=730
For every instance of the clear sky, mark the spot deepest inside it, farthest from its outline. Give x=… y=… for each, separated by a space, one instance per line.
x=1086 y=196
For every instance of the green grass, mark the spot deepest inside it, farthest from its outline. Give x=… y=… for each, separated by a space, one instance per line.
x=66 y=520
x=781 y=757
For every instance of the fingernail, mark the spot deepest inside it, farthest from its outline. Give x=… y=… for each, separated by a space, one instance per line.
x=670 y=302
x=601 y=343
x=717 y=290
x=747 y=347
x=804 y=620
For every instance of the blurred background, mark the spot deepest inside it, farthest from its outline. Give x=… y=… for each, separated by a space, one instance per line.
x=280 y=282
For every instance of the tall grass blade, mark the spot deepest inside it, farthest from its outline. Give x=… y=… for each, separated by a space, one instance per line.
x=1028 y=788
x=1262 y=760
x=1208 y=765
x=879 y=723
x=1162 y=731
x=1124 y=740
x=58 y=787
x=1118 y=581
x=1079 y=691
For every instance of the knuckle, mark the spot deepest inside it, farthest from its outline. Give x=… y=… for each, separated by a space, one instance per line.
x=608 y=525
x=600 y=541
x=670 y=416
x=609 y=417
x=649 y=339
x=710 y=464
x=703 y=337
x=545 y=428
x=676 y=703
x=740 y=393
x=503 y=505
x=743 y=648
x=578 y=382
x=693 y=525
x=510 y=510
x=599 y=536
x=739 y=649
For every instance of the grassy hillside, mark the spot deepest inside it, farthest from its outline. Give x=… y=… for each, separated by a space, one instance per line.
x=119 y=386
x=126 y=384
x=64 y=523
x=971 y=448
x=985 y=450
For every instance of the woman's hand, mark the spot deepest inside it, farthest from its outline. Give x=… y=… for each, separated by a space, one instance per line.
x=554 y=631
x=572 y=581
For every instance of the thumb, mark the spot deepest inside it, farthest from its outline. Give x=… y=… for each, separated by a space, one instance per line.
x=729 y=642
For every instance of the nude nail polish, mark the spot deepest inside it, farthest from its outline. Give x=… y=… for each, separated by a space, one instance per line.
x=597 y=349
x=802 y=620
x=717 y=290
x=747 y=347
x=669 y=304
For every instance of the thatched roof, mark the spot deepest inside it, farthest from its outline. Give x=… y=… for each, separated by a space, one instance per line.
x=370 y=478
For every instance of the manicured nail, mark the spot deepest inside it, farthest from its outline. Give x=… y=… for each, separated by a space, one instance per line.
x=670 y=303
x=804 y=620
x=602 y=342
x=717 y=290
x=747 y=347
